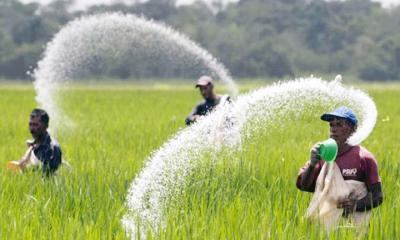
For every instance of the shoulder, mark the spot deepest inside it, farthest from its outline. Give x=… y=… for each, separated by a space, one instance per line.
x=224 y=99
x=366 y=155
x=359 y=153
x=370 y=166
x=369 y=163
x=201 y=103
x=54 y=143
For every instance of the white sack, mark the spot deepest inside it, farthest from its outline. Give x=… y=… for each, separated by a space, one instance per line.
x=329 y=189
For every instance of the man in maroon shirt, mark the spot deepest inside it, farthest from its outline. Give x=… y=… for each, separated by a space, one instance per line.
x=354 y=162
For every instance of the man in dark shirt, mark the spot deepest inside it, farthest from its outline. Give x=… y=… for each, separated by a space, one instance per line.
x=45 y=149
x=211 y=100
x=354 y=162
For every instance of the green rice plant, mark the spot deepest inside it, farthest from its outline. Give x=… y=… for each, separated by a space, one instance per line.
x=247 y=194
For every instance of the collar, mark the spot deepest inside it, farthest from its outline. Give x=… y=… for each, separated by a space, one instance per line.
x=346 y=151
x=212 y=100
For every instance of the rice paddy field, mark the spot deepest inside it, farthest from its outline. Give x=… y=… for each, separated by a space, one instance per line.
x=250 y=194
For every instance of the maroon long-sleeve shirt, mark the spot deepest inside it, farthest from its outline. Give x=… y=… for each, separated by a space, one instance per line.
x=358 y=164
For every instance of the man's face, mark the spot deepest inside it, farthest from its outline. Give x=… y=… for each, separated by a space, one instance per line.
x=36 y=127
x=206 y=91
x=340 y=130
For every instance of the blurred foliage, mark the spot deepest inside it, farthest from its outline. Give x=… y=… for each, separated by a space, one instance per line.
x=253 y=38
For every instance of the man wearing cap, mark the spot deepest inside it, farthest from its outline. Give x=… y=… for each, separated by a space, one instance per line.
x=211 y=100
x=355 y=163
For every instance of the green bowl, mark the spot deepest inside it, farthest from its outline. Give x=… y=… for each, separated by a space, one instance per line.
x=328 y=150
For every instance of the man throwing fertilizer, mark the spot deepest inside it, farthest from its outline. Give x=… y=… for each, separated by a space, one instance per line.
x=43 y=150
x=211 y=99
x=355 y=174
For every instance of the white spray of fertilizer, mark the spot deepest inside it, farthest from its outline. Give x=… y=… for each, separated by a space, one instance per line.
x=86 y=41
x=166 y=172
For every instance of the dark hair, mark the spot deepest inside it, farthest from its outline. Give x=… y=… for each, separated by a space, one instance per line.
x=44 y=117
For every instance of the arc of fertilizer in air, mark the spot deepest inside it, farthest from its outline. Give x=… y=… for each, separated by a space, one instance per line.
x=166 y=172
x=75 y=46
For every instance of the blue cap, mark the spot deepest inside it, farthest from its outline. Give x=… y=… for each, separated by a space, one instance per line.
x=341 y=112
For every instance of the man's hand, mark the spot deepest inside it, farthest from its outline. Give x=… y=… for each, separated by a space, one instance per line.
x=348 y=205
x=26 y=158
x=314 y=154
x=30 y=142
x=23 y=162
x=194 y=118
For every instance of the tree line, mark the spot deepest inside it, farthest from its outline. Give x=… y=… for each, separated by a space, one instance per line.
x=253 y=38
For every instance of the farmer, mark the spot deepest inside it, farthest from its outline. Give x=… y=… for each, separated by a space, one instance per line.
x=211 y=100
x=42 y=150
x=353 y=162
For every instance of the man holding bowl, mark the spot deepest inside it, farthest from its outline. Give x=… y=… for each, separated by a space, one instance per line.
x=355 y=163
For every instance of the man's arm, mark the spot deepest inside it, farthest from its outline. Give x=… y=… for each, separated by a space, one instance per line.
x=373 y=199
x=308 y=175
x=24 y=161
x=193 y=116
x=304 y=179
x=191 y=119
x=374 y=196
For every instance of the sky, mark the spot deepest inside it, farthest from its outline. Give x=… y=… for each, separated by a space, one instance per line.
x=82 y=4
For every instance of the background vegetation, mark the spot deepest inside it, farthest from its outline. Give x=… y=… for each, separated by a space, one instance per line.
x=253 y=38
